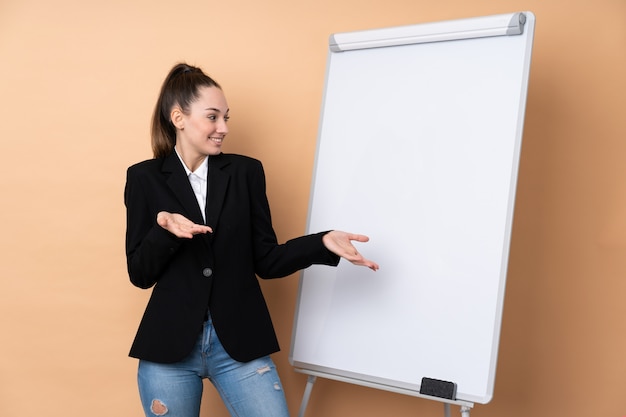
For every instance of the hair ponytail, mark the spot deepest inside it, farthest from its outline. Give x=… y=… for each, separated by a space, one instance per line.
x=180 y=88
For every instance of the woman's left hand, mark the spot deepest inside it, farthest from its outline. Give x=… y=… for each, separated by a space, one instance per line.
x=340 y=243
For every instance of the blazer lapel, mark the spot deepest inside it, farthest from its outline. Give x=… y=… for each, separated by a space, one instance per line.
x=180 y=186
x=218 y=183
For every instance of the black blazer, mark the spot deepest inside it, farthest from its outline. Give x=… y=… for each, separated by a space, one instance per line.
x=215 y=271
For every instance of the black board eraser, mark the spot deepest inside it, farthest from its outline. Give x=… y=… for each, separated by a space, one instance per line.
x=438 y=388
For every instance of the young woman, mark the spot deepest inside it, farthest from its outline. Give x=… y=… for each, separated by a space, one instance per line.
x=199 y=230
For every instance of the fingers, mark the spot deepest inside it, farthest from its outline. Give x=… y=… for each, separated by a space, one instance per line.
x=197 y=228
x=359 y=260
x=372 y=265
x=190 y=229
x=358 y=238
x=365 y=262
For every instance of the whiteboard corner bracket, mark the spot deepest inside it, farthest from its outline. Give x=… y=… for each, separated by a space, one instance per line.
x=333 y=44
x=516 y=25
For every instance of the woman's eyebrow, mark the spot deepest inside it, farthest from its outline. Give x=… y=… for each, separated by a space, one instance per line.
x=215 y=109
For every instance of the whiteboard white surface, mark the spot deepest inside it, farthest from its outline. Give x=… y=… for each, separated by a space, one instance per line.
x=418 y=148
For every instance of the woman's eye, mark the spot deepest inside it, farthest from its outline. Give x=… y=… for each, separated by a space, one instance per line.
x=214 y=117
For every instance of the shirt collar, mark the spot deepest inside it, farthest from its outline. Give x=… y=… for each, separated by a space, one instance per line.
x=202 y=171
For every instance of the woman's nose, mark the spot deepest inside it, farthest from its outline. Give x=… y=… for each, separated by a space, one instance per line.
x=222 y=126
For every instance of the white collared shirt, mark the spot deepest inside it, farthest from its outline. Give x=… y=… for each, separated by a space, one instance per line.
x=198 y=180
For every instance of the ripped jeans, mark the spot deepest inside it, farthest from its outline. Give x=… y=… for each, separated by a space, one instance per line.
x=250 y=389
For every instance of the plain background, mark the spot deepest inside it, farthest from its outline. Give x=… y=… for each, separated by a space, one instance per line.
x=78 y=81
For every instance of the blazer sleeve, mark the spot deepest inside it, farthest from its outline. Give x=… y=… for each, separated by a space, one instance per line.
x=149 y=247
x=274 y=260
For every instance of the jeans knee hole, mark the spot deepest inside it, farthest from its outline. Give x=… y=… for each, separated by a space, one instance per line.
x=158 y=408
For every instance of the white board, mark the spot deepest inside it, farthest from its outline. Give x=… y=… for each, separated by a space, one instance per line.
x=418 y=148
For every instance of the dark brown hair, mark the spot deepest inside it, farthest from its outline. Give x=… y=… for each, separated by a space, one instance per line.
x=180 y=88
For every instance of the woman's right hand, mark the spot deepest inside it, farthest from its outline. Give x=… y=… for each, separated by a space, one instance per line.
x=180 y=226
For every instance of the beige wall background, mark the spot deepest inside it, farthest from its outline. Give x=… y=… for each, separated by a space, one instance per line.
x=78 y=80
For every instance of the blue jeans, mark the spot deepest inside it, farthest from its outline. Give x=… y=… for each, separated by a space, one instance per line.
x=250 y=389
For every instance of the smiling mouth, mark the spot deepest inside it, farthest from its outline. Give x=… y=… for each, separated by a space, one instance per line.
x=217 y=140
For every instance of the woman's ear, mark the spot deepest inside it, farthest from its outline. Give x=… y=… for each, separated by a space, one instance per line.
x=176 y=116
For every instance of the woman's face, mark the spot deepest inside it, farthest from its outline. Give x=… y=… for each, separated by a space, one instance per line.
x=201 y=132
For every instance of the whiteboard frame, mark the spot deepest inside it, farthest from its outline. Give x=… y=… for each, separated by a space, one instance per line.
x=513 y=24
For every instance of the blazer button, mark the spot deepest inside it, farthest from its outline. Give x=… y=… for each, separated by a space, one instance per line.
x=207 y=272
